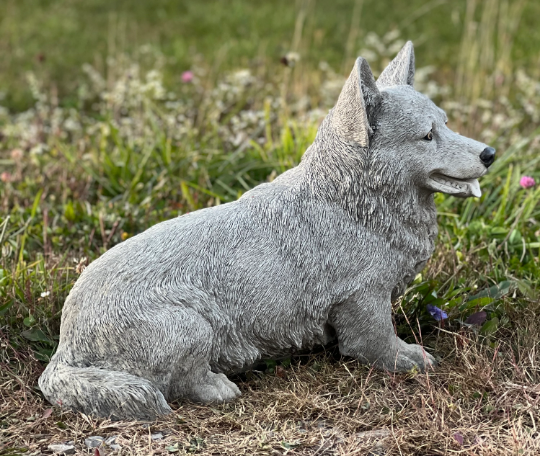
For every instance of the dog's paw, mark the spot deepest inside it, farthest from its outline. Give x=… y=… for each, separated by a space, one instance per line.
x=418 y=357
x=411 y=356
x=421 y=357
x=214 y=388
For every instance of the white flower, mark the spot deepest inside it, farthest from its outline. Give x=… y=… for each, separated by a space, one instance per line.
x=44 y=294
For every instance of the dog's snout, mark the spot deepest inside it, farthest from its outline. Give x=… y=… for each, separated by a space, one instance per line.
x=488 y=156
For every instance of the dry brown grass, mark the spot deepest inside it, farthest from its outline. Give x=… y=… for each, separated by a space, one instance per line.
x=486 y=391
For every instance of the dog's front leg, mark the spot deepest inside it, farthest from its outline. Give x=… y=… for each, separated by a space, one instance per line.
x=365 y=331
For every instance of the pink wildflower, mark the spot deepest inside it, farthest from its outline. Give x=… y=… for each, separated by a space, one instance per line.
x=187 y=76
x=527 y=182
x=16 y=154
x=5 y=176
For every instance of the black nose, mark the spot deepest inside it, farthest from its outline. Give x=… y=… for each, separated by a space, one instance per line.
x=488 y=156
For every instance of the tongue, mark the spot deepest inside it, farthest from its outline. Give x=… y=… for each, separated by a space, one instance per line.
x=474 y=187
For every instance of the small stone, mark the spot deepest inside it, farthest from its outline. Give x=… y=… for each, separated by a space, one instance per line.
x=377 y=450
x=110 y=440
x=157 y=436
x=62 y=448
x=374 y=434
x=94 y=442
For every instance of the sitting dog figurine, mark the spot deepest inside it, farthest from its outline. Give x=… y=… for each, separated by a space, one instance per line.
x=317 y=254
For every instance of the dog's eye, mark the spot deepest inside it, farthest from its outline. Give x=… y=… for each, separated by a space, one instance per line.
x=429 y=136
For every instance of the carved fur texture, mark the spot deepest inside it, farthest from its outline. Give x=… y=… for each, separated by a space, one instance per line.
x=318 y=253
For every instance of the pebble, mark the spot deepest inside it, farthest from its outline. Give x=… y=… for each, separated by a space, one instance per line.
x=157 y=436
x=374 y=434
x=377 y=450
x=94 y=442
x=62 y=448
x=110 y=440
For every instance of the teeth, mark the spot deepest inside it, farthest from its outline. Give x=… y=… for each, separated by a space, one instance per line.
x=466 y=186
x=453 y=184
x=449 y=183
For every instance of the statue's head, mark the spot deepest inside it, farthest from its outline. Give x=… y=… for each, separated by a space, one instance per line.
x=405 y=132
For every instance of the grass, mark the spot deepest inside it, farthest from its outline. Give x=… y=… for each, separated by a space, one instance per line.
x=92 y=155
x=326 y=405
x=55 y=38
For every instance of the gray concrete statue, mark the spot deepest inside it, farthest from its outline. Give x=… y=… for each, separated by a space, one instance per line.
x=317 y=254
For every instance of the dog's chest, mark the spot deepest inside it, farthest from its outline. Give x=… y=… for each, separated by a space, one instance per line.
x=413 y=261
x=406 y=276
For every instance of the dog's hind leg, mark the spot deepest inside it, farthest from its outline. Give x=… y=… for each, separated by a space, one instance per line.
x=365 y=331
x=192 y=378
x=157 y=358
x=175 y=347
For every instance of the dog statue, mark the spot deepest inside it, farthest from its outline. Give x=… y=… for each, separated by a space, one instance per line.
x=317 y=254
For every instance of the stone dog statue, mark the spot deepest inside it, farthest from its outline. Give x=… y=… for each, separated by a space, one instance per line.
x=318 y=253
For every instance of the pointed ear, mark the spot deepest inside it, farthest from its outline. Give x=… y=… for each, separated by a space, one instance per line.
x=350 y=116
x=399 y=71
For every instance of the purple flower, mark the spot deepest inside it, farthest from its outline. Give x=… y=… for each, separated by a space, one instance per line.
x=187 y=76
x=527 y=182
x=436 y=313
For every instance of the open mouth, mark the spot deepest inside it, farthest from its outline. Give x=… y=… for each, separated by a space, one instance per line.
x=454 y=186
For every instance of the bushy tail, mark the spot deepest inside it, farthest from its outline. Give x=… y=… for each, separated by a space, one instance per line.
x=102 y=393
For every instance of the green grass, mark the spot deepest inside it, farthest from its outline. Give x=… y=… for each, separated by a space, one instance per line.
x=91 y=157
x=54 y=38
